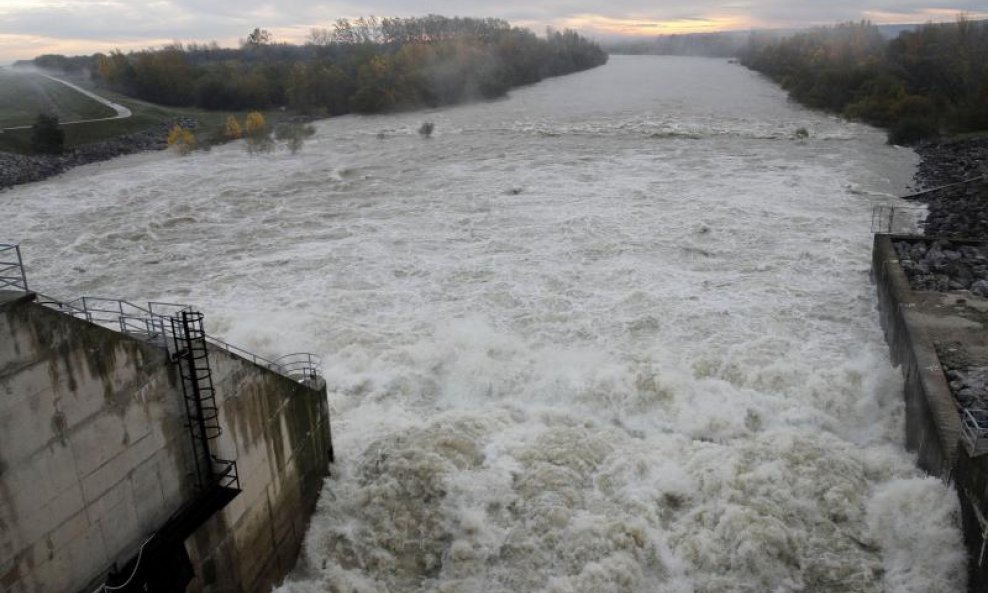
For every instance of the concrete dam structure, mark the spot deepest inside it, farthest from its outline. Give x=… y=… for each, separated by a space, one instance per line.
x=149 y=457
x=933 y=299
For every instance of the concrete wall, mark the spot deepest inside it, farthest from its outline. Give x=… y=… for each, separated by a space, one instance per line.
x=278 y=431
x=92 y=448
x=913 y=324
x=95 y=456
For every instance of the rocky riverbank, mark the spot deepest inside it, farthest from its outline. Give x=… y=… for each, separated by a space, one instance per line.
x=16 y=169
x=960 y=169
x=943 y=265
x=951 y=161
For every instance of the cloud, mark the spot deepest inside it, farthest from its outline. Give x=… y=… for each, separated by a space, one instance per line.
x=100 y=25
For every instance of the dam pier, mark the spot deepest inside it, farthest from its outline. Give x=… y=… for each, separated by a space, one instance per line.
x=138 y=453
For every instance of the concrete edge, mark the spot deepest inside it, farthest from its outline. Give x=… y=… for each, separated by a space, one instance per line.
x=11 y=298
x=917 y=350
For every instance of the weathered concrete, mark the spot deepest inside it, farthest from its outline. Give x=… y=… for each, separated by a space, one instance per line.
x=278 y=431
x=95 y=456
x=916 y=324
x=92 y=448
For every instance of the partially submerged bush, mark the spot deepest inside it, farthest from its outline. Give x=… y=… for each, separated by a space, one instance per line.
x=232 y=130
x=293 y=134
x=425 y=130
x=181 y=140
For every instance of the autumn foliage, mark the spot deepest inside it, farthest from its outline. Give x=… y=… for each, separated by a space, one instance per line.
x=365 y=65
x=181 y=140
x=927 y=80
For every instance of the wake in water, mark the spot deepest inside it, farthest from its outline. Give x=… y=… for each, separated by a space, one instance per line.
x=563 y=355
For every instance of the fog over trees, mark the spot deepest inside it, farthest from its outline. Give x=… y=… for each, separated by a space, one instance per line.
x=926 y=81
x=367 y=65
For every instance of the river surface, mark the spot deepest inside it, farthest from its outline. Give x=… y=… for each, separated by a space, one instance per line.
x=613 y=333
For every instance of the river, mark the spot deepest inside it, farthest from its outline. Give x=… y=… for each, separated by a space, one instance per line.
x=613 y=333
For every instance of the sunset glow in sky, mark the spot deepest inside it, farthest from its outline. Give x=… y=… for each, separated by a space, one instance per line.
x=32 y=27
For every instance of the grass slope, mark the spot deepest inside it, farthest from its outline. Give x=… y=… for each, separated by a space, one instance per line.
x=23 y=95
x=145 y=115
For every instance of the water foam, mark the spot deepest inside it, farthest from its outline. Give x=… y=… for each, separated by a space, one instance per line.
x=562 y=354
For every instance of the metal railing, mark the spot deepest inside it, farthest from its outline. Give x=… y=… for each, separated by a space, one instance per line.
x=150 y=323
x=153 y=324
x=302 y=365
x=974 y=425
x=897 y=220
x=12 y=276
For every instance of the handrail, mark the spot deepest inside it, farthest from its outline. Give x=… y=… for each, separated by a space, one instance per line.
x=12 y=272
x=975 y=430
x=149 y=321
x=884 y=218
x=303 y=364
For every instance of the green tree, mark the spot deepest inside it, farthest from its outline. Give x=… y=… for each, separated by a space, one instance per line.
x=46 y=135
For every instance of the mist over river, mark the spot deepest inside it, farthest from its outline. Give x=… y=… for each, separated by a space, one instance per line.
x=613 y=333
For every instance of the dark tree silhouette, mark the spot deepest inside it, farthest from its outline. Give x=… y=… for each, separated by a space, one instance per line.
x=47 y=137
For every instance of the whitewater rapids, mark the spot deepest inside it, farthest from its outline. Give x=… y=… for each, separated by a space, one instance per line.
x=613 y=333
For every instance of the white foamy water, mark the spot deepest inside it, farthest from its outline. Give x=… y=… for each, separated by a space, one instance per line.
x=614 y=333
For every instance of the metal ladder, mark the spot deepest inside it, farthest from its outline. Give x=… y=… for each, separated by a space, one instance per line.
x=200 y=396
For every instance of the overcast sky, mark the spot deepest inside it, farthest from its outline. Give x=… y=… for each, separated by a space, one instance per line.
x=32 y=27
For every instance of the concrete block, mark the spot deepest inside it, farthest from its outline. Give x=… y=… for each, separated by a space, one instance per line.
x=23 y=384
x=30 y=424
x=98 y=441
x=148 y=497
x=37 y=506
x=120 y=528
x=106 y=502
x=78 y=561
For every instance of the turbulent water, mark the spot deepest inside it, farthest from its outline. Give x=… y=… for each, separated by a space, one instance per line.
x=614 y=333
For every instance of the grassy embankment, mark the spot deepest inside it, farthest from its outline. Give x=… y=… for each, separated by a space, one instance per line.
x=24 y=95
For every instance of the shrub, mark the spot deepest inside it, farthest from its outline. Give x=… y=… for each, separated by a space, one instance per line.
x=912 y=129
x=425 y=130
x=181 y=140
x=255 y=124
x=46 y=136
x=232 y=130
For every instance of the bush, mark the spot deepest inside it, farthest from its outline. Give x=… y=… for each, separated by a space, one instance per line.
x=255 y=124
x=232 y=131
x=910 y=130
x=46 y=136
x=425 y=130
x=181 y=140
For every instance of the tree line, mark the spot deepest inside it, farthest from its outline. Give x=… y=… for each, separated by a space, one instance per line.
x=924 y=82
x=367 y=65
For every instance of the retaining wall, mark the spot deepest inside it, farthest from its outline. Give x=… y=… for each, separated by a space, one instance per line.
x=95 y=457
x=914 y=322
